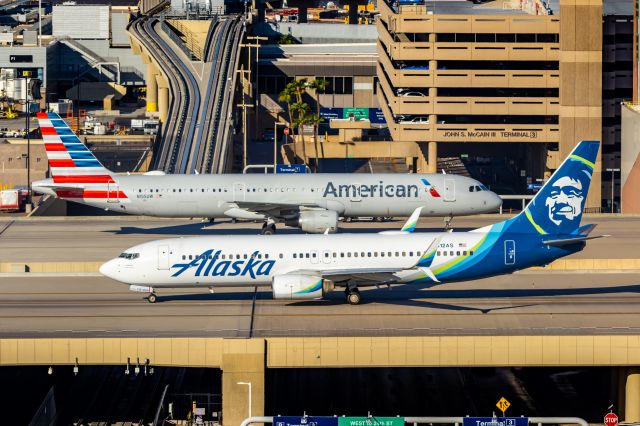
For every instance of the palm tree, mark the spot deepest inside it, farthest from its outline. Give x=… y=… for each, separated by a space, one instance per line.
x=286 y=96
x=301 y=109
x=318 y=85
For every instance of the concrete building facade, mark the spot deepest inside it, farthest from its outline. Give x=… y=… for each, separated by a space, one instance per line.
x=506 y=77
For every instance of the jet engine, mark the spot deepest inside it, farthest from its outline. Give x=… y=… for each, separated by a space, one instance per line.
x=316 y=221
x=300 y=287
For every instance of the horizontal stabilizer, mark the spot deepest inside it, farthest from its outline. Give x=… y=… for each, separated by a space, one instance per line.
x=572 y=240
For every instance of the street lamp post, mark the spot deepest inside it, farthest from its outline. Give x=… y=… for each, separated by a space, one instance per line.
x=613 y=170
x=249 y=385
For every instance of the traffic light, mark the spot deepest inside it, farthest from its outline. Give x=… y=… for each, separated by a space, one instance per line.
x=34 y=88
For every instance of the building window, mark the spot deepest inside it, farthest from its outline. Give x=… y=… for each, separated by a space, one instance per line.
x=338 y=85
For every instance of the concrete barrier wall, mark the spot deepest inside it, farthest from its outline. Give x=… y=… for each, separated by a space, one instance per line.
x=558 y=265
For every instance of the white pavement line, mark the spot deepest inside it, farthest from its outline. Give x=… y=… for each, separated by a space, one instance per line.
x=48 y=274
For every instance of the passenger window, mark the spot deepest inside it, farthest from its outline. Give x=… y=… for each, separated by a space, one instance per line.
x=266 y=256
x=470 y=253
x=397 y=254
x=362 y=254
x=244 y=256
x=457 y=253
x=281 y=256
x=389 y=254
x=190 y=257
x=139 y=190
x=335 y=255
x=437 y=253
x=451 y=253
x=355 y=254
x=313 y=255
x=464 y=252
x=341 y=254
x=349 y=254
x=295 y=256
x=404 y=253
x=375 y=254
x=306 y=255
x=184 y=257
x=381 y=254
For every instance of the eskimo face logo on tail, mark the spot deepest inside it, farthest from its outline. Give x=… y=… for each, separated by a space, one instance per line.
x=210 y=263
x=566 y=200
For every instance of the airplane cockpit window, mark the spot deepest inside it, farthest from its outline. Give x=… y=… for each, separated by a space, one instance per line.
x=129 y=256
x=484 y=188
x=472 y=188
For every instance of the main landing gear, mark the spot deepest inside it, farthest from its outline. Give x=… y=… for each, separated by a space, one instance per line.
x=268 y=228
x=152 y=297
x=353 y=295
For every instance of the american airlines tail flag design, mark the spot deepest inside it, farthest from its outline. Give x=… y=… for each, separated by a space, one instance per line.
x=76 y=172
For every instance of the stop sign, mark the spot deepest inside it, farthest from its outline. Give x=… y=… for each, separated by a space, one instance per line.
x=611 y=419
x=286 y=131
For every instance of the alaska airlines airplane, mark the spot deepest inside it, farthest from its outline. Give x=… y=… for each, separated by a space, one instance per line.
x=312 y=202
x=308 y=266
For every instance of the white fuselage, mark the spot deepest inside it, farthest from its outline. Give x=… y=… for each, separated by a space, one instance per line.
x=255 y=260
x=249 y=196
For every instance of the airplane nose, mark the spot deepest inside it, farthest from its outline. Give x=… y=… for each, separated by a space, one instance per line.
x=495 y=201
x=109 y=269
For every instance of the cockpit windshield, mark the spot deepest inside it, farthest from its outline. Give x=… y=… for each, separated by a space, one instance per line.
x=478 y=188
x=129 y=256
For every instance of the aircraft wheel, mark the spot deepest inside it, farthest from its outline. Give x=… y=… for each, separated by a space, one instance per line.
x=152 y=298
x=353 y=297
x=268 y=229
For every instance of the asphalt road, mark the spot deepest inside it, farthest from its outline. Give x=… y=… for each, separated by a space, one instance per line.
x=101 y=238
x=524 y=303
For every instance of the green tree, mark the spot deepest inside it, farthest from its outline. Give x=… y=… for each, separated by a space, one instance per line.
x=287 y=39
x=318 y=86
x=301 y=111
x=287 y=96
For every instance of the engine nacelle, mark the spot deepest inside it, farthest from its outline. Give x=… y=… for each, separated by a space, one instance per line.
x=300 y=287
x=316 y=221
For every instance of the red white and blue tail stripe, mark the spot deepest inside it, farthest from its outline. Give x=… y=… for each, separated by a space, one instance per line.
x=75 y=171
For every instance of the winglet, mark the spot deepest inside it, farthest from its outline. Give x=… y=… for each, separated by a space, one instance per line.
x=425 y=261
x=412 y=222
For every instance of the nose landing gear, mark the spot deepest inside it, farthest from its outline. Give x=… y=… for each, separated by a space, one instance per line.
x=152 y=297
x=268 y=228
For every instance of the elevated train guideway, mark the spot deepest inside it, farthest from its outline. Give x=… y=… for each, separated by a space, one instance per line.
x=190 y=79
x=245 y=360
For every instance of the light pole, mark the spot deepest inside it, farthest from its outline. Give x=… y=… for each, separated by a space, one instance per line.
x=244 y=105
x=612 y=183
x=249 y=385
x=257 y=74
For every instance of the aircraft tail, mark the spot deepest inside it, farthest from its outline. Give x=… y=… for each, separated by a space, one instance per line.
x=557 y=208
x=71 y=162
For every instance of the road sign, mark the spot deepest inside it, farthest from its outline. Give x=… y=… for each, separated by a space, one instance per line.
x=371 y=421
x=304 y=421
x=611 y=419
x=291 y=168
x=286 y=131
x=503 y=404
x=495 y=421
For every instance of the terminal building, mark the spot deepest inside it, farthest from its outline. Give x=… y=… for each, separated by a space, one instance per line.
x=506 y=87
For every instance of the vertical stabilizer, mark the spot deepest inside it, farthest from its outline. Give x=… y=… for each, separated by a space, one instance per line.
x=71 y=162
x=557 y=207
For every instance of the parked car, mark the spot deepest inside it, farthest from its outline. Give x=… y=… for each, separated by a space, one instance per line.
x=418 y=119
x=412 y=93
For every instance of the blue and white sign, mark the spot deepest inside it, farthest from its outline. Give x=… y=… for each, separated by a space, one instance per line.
x=304 y=421
x=495 y=421
x=376 y=116
x=291 y=168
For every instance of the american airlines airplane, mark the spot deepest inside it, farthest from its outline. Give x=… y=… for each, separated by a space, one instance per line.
x=312 y=202
x=308 y=266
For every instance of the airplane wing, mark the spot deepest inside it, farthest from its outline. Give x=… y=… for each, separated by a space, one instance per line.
x=276 y=209
x=363 y=276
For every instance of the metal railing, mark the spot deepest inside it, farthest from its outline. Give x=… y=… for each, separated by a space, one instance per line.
x=447 y=420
